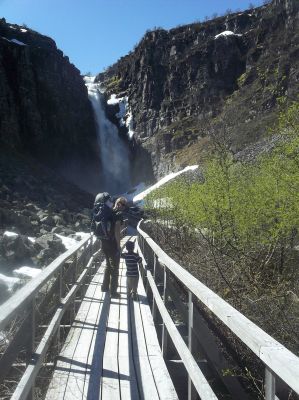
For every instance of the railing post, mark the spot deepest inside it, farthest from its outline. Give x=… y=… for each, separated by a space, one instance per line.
x=190 y=327
x=91 y=245
x=269 y=384
x=164 y=330
x=83 y=290
x=143 y=240
x=60 y=294
x=145 y=282
x=33 y=322
x=155 y=266
x=31 y=346
x=94 y=248
x=74 y=274
x=84 y=260
x=154 y=276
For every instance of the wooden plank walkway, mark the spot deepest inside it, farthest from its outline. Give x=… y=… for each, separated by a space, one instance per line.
x=112 y=350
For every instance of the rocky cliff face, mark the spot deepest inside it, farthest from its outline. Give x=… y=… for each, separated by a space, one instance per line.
x=44 y=107
x=184 y=83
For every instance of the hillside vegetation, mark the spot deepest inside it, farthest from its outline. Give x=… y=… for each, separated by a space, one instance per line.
x=237 y=229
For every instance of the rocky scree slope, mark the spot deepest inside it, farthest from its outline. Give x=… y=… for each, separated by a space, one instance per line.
x=184 y=83
x=44 y=106
x=35 y=203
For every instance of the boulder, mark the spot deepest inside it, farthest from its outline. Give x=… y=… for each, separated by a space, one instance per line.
x=50 y=247
x=48 y=220
x=31 y=207
x=57 y=229
x=10 y=218
x=49 y=240
x=14 y=248
x=58 y=220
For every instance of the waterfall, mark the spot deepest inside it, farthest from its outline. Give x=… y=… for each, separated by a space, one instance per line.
x=113 y=151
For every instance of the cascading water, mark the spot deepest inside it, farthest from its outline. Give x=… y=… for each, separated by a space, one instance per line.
x=113 y=151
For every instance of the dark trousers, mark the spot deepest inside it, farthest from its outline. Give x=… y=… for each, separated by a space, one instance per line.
x=111 y=253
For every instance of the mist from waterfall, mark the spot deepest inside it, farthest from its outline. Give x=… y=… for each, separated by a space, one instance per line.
x=113 y=151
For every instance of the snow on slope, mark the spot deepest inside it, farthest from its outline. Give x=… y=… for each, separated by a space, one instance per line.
x=140 y=196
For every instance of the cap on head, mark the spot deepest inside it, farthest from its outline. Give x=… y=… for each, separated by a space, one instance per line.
x=102 y=197
x=129 y=245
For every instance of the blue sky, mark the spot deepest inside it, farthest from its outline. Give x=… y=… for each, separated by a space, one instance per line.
x=96 y=33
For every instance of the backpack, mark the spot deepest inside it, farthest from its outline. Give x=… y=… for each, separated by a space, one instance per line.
x=101 y=223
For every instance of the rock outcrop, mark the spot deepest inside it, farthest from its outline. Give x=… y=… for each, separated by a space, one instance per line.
x=230 y=70
x=44 y=106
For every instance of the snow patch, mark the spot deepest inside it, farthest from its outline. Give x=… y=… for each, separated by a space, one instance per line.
x=142 y=195
x=66 y=241
x=70 y=242
x=13 y=234
x=26 y=272
x=10 y=234
x=114 y=100
x=23 y=30
x=227 y=33
x=82 y=235
x=124 y=115
x=9 y=281
x=16 y=41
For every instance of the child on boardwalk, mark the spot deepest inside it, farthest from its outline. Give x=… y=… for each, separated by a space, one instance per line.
x=132 y=260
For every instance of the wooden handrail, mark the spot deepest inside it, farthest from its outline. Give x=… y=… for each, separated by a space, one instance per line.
x=24 y=386
x=22 y=297
x=23 y=303
x=277 y=358
x=63 y=281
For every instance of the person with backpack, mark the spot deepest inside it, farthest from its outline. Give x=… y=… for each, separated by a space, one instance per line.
x=132 y=261
x=101 y=216
x=106 y=221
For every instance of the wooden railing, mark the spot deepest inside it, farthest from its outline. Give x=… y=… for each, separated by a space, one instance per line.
x=278 y=361
x=31 y=319
x=40 y=313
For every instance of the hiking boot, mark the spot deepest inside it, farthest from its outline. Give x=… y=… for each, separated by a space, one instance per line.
x=134 y=296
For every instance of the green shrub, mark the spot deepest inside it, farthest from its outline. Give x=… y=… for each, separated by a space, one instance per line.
x=245 y=206
x=113 y=83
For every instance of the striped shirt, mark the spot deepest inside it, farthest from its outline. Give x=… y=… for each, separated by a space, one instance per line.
x=132 y=260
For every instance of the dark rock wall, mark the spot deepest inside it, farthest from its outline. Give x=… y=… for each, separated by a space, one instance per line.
x=181 y=79
x=44 y=106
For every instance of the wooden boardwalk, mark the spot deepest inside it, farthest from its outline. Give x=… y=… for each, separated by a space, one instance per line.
x=112 y=350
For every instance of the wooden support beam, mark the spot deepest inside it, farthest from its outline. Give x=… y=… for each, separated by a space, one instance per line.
x=200 y=383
